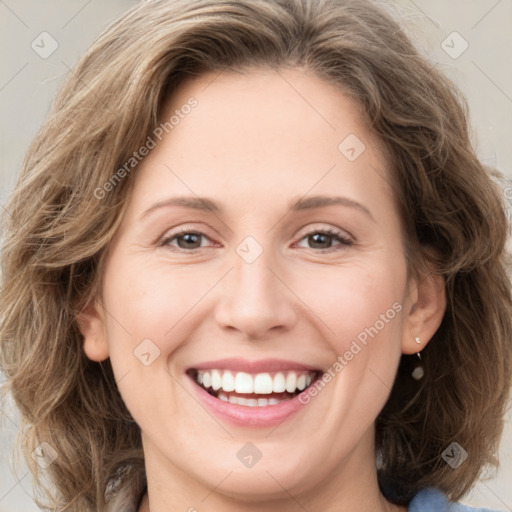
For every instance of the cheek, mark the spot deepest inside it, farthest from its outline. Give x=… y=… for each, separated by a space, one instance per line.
x=357 y=303
x=362 y=307
x=151 y=309
x=150 y=301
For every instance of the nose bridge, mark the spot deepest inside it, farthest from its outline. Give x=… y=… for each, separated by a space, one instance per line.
x=253 y=299
x=254 y=280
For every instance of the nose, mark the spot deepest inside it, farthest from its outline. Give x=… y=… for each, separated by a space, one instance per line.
x=255 y=300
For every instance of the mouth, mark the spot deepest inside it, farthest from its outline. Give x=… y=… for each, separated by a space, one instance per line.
x=253 y=389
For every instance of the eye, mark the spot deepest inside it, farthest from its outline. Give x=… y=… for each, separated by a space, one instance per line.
x=186 y=240
x=326 y=240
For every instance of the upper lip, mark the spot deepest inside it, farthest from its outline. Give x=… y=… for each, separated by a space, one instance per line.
x=253 y=366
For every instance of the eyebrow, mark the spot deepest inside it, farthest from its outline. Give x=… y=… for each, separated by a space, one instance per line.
x=205 y=204
x=320 y=201
x=196 y=203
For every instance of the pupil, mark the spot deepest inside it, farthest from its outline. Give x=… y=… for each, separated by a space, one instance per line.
x=188 y=238
x=319 y=239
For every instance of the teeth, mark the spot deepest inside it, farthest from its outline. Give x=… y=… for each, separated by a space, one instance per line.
x=279 y=383
x=244 y=383
x=216 y=380
x=291 y=382
x=301 y=382
x=260 y=402
x=260 y=383
x=263 y=384
x=228 y=381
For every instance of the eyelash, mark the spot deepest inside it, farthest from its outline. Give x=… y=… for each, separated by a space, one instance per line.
x=337 y=236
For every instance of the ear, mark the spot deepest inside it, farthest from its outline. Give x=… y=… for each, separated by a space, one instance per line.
x=91 y=323
x=427 y=306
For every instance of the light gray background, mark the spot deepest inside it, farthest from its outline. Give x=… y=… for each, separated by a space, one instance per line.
x=28 y=84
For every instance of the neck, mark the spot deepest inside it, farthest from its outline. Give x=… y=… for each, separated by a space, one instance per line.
x=350 y=486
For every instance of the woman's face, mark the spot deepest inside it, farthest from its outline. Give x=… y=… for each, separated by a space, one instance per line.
x=261 y=249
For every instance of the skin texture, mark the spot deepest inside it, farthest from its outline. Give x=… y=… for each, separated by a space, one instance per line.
x=255 y=142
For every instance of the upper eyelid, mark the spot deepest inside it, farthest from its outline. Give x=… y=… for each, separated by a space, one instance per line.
x=319 y=229
x=304 y=230
x=172 y=236
x=331 y=231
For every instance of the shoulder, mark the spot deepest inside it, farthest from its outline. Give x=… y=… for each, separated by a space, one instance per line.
x=433 y=500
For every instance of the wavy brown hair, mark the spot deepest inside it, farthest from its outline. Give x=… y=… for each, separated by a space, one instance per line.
x=57 y=231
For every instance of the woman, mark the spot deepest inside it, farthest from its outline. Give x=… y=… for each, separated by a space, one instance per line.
x=260 y=268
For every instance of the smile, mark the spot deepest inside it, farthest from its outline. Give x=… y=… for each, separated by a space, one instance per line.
x=253 y=390
x=253 y=393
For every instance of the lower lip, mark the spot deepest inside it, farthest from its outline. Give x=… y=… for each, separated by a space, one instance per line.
x=245 y=416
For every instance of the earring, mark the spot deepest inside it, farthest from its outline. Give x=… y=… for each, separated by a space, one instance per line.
x=418 y=372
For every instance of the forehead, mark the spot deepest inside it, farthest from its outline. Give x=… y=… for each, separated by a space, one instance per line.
x=268 y=97
x=263 y=133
